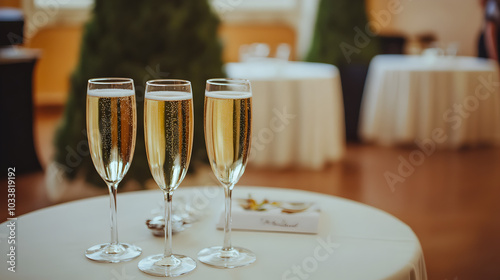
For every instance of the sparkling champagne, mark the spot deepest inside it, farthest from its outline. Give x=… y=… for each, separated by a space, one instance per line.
x=228 y=128
x=168 y=131
x=111 y=129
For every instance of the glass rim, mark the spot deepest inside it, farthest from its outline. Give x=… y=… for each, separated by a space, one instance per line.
x=228 y=81
x=168 y=82
x=110 y=81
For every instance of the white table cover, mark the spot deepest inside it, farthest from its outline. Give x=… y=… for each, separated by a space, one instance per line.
x=368 y=244
x=298 y=115
x=408 y=98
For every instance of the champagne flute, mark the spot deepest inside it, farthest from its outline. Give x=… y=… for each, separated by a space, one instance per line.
x=168 y=131
x=111 y=131
x=228 y=127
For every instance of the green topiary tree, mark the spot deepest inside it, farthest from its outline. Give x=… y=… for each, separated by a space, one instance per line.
x=141 y=40
x=342 y=34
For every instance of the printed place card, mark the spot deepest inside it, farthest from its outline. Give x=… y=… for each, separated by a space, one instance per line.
x=279 y=216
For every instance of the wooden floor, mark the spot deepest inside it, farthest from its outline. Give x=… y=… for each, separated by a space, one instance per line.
x=450 y=199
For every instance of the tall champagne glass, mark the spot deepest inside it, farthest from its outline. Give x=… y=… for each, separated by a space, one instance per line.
x=168 y=131
x=111 y=131
x=228 y=127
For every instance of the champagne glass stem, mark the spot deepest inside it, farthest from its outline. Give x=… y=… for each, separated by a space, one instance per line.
x=228 y=191
x=168 y=224
x=113 y=212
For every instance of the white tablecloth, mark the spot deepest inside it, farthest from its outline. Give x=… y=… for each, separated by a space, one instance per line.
x=451 y=101
x=298 y=117
x=368 y=243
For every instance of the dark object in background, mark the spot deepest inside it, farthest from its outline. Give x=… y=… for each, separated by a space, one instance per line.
x=492 y=18
x=392 y=44
x=353 y=78
x=11 y=27
x=426 y=40
x=17 y=149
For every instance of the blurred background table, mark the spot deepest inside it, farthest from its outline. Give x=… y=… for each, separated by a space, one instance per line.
x=410 y=97
x=300 y=119
x=355 y=241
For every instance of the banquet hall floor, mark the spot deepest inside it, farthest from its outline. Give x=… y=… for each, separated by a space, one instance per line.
x=451 y=199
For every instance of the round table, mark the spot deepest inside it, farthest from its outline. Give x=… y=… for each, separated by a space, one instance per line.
x=355 y=241
x=435 y=101
x=298 y=115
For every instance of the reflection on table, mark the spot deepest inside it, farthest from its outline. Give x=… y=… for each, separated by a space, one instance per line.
x=448 y=101
x=354 y=242
x=298 y=112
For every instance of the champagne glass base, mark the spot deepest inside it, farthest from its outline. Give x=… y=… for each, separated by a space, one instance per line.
x=236 y=257
x=113 y=253
x=175 y=265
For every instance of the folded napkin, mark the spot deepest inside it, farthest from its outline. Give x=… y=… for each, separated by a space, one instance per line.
x=270 y=215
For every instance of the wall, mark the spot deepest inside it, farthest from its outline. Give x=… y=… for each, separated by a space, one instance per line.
x=235 y=35
x=60 y=50
x=10 y=3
